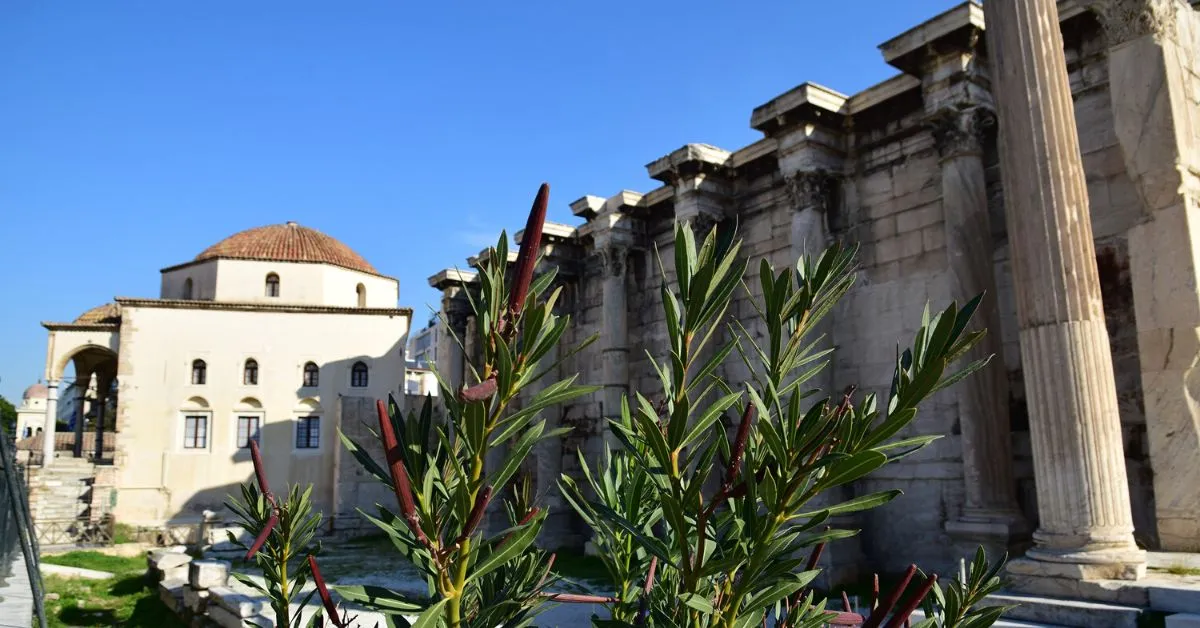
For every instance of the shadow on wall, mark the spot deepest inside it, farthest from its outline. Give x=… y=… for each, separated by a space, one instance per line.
x=342 y=393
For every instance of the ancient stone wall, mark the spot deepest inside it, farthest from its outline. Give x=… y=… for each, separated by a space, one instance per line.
x=887 y=163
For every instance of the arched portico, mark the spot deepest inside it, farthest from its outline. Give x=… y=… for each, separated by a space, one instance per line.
x=88 y=347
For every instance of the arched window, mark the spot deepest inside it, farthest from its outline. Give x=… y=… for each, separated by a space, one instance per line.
x=187 y=289
x=358 y=375
x=199 y=372
x=250 y=373
x=362 y=295
x=272 y=285
x=312 y=375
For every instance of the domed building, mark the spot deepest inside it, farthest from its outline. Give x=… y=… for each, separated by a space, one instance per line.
x=277 y=334
x=31 y=414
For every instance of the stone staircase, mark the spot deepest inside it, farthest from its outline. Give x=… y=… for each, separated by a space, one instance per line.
x=63 y=491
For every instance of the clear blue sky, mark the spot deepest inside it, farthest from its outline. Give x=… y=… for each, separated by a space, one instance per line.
x=135 y=134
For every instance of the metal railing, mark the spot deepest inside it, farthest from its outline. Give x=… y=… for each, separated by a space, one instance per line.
x=16 y=525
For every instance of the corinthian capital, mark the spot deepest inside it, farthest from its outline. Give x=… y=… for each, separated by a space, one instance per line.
x=613 y=258
x=809 y=189
x=1127 y=20
x=959 y=132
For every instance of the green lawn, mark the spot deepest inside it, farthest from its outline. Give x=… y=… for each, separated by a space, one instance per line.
x=126 y=599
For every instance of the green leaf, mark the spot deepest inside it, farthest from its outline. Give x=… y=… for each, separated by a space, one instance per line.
x=691 y=600
x=866 y=502
x=853 y=468
x=515 y=545
x=378 y=598
x=432 y=616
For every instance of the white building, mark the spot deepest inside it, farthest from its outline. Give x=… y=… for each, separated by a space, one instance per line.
x=422 y=355
x=31 y=414
x=274 y=333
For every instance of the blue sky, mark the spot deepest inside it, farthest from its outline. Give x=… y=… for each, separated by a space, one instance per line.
x=136 y=134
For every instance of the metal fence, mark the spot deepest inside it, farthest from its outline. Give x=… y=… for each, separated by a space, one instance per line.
x=16 y=525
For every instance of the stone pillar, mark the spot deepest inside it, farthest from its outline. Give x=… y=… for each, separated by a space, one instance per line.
x=451 y=361
x=614 y=332
x=1152 y=66
x=51 y=421
x=1086 y=528
x=990 y=515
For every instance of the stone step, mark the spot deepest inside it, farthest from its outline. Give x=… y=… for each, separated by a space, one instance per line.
x=1179 y=598
x=1064 y=612
x=1183 y=620
x=1004 y=622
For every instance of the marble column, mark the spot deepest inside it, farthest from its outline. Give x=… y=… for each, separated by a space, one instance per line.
x=990 y=514
x=51 y=421
x=614 y=332
x=809 y=194
x=1086 y=527
x=1151 y=65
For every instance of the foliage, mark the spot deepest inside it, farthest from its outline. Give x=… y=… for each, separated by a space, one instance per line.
x=283 y=547
x=435 y=464
x=733 y=555
x=958 y=605
x=125 y=599
x=8 y=416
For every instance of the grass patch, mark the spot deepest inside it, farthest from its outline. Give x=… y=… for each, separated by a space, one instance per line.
x=1180 y=570
x=126 y=599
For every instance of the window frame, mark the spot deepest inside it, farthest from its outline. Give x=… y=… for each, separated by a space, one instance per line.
x=316 y=372
x=306 y=420
x=257 y=417
x=188 y=289
x=250 y=365
x=187 y=416
x=361 y=292
x=199 y=366
x=365 y=372
x=272 y=287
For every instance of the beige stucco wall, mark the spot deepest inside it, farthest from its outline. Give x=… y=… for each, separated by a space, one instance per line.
x=159 y=480
x=244 y=281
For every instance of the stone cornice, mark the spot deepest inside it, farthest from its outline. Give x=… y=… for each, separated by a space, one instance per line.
x=808 y=102
x=689 y=161
x=52 y=326
x=231 y=258
x=179 y=304
x=552 y=232
x=452 y=277
x=955 y=30
x=1126 y=20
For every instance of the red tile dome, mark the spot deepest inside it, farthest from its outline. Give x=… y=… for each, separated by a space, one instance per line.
x=287 y=243
x=107 y=314
x=36 y=391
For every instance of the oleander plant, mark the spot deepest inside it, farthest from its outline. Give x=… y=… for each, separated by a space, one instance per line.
x=707 y=512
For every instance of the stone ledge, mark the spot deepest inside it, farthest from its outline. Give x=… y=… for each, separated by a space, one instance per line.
x=1064 y=612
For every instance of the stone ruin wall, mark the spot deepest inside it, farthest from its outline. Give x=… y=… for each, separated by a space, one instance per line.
x=889 y=201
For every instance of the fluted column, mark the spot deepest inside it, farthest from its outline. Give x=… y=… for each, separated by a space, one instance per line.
x=51 y=421
x=1086 y=528
x=990 y=513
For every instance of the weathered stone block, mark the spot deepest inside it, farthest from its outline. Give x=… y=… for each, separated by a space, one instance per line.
x=195 y=600
x=171 y=593
x=237 y=603
x=1183 y=620
x=205 y=574
x=224 y=618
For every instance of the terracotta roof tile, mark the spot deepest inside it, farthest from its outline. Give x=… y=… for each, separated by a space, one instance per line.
x=109 y=313
x=287 y=243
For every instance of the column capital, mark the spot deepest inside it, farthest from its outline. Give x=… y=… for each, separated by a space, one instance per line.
x=1127 y=20
x=809 y=189
x=612 y=258
x=960 y=131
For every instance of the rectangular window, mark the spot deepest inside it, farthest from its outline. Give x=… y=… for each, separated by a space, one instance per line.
x=308 y=432
x=195 y=432
x=247 y=430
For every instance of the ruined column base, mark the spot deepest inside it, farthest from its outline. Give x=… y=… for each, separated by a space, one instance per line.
x=1098 y=575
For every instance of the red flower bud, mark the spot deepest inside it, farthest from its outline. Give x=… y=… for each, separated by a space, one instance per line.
x=481 y=501
x=262 y=536
x=887 y=604
x=260 y=473
x=391 y=450
x=479 y=392
x=739 y=445
x=323 y=591
x=531 y=244
x=901 y=616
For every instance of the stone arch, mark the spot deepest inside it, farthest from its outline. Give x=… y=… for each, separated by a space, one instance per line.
x=361 y=291
x=195 y=403
x=309 y=404
x=96 y=353
x=249 y=403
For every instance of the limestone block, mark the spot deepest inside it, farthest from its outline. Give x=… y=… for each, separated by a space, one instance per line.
x=237 y=603
x=224 y=618
x=1179 y=598
x=171 y=559
x=172 y=573
x=205 y=574
x=919 y=217
x=195 y=600
x=1183 y=620
x=170 y=591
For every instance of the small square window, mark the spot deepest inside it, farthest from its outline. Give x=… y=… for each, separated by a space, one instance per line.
x=308 y=432
x=195 y=431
